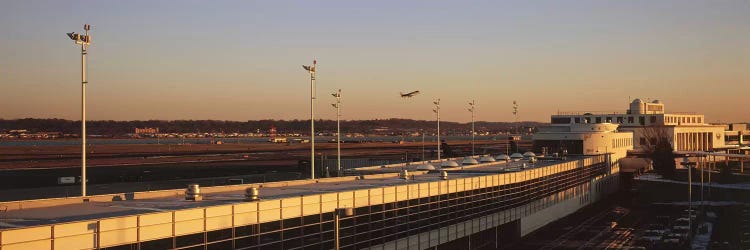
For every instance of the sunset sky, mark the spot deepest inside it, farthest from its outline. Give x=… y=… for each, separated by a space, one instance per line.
x=241 y=60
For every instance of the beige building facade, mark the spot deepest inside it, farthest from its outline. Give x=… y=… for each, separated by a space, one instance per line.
x=686 y=131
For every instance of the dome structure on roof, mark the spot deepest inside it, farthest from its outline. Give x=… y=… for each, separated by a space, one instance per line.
x=516 y=156
x=637 y=100
x=426 y=166
x=656 y=101
x=486 y=158
x=502 y=157
x=469 y=161
x=449 y=164
x=529 y=154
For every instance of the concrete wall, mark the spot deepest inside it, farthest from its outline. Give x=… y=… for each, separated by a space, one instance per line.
x=595 y=191
x=532 y=216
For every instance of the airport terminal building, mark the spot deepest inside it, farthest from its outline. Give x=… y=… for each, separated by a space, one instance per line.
x=487 y=205
x=686 y=131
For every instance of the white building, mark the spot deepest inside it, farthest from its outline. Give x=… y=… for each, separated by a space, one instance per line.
x=584 y=139
x=687 y=131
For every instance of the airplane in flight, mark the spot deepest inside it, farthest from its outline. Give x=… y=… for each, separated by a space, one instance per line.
x=410 y=94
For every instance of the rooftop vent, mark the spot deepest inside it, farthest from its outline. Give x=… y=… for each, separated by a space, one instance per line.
x=444 y=175
x=252 y=194
x=404 y=174
x=469 y=161
x=529 y=154
x=502 y=157
x=487 y=158
x=193 y=193
x=426 y=166
x=516 y=156
x=449 y=164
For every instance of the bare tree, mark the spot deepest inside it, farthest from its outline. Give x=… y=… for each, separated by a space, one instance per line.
x=657 y=145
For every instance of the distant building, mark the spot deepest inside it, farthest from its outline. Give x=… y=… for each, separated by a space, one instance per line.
x=687 y=131
x=584 y=139
x=736 y=127
x=736 y=134
x=140 y=131
x=18 y=132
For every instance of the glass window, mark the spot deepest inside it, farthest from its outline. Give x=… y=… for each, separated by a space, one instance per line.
x=292 y=233
x=159 y=244
x=270 y=237
x=270 y=226
x=311 y=219
x=246 y=241
x=310 y=230
x=246 y=230
x=218 y=235
x=220 y=245
x=289 y=244
x=189 y=240
x=293 y=222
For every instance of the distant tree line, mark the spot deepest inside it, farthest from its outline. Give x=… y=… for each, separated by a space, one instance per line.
x=393 y=126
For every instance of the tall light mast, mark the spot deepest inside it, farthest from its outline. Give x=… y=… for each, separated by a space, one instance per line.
x=472 y=105
x=311 y=70
x=337 y=105
x=515 y=113
x=437 y=112
x=84 y=40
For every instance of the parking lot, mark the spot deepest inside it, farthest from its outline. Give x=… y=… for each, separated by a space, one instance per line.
x=622 y=223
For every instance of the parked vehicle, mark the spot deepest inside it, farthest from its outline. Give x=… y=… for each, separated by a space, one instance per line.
x=651 y=238
x=681 y=223
x=655 y=227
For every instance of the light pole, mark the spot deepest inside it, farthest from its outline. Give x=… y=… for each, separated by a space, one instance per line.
x=339 y=212
x=84 y=40
x=337 y=105
x=422 y=132
x=686 y=162
x=437 y=112
x=471 y=109
x=515 y=113
x=311 y=70
x=701 y=164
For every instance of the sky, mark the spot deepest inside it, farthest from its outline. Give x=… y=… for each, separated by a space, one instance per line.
x=241 y=60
